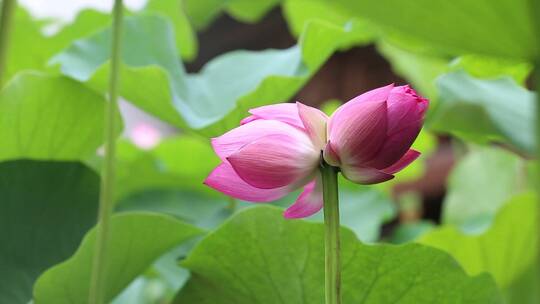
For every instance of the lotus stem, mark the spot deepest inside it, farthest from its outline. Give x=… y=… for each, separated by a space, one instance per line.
x=332 y=235
x=5 y=28
x=106 y=203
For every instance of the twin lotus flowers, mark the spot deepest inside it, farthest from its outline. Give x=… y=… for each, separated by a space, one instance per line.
x=278 y=148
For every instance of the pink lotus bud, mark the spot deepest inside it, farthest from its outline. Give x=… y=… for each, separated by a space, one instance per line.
x=369 y=137
x=278 y=148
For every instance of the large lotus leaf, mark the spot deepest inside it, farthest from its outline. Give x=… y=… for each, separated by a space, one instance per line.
x=213 y=100
x=507 y=250
x=202 y=12
x=480 y=184
x=490 y=67
x=20 y=55
x=27 y=30
x=45 y=209
x=457 y=27
x=419 y=70
x=298 y=13
x=50 y=118
x=260 y=257
x=185 y=37
x=484 y=111
x=189 y=206
x=248 y=10
x=137 y=239
x=86 y=22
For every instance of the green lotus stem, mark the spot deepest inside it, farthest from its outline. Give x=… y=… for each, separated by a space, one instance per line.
x=5 y=28
x=99 y=267
x=332 y=260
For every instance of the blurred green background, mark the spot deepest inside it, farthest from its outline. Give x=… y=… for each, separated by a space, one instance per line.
x=191 y=69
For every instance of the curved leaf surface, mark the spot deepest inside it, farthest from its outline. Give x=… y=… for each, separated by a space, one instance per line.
x=185 y=37
x=203 y=12
x=299 y=13
x=507 y=250
x=50 y=118
x=20 y=55
x=479 y=185
x=213 y=100
x=137 y=240
x=46 y=208
x=459 y=26
x=420 y=70
x=259 y=257
x=485 y=110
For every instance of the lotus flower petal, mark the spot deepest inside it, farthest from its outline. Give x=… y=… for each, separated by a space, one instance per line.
x=403 y=162
x=395 y=147
x=275 y=161
x=330 y=155
x=309 y=202
x=248 y=119
x=379 y=94
x=284 y=112
x=314 y=121
x=358 y=132
x=405 y=108
x=365 y=175
x=225 y=180
x=235 y=139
